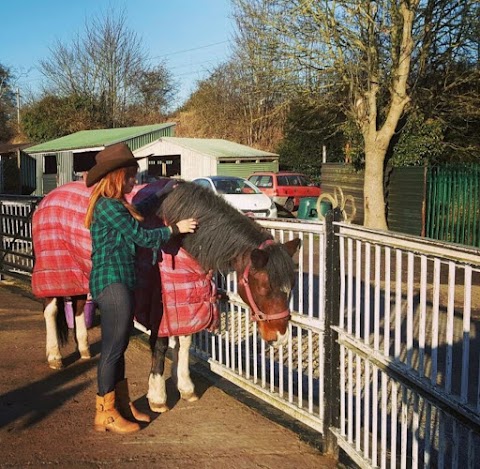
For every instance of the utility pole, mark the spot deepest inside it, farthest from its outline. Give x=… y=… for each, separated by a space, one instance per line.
x=18 y=108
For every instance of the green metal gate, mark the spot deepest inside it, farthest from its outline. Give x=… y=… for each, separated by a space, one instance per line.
x=453 y=204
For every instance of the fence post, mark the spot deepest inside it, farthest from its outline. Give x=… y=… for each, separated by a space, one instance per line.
x=332 y=348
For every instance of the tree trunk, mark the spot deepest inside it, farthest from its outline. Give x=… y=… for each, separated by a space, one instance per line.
x=374 y=197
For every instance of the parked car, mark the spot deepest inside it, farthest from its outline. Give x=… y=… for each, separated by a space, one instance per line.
x=285 y=188
x=240 y=193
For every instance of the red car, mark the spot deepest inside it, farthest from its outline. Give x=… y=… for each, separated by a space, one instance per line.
x=285 y=188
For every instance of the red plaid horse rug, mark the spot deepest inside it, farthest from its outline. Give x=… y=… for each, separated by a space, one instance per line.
x=61 y=244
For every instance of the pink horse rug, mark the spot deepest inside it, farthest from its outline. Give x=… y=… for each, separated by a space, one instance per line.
x=62 y=248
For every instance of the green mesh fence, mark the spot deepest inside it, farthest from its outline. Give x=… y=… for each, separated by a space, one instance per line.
x=453 y=204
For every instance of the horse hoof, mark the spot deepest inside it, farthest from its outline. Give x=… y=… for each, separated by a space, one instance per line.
x=55 y=364
x=85 y=355
x=190 y=397
x=159 y=408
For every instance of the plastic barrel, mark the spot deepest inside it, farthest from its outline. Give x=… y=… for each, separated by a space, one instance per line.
x=307 y=208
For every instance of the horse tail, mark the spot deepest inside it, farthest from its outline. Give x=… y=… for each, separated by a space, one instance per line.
x=61 y=322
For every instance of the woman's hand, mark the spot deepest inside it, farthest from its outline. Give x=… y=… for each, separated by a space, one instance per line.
x=189 y=225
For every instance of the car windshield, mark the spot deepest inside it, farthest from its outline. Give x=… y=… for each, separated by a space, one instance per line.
x=235 y=186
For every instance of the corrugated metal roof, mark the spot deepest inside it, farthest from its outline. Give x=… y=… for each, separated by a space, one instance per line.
x=95 y=138
x=218 y=148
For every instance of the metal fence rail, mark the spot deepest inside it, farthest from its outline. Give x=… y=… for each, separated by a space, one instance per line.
x=16 y=247
x=409 y=334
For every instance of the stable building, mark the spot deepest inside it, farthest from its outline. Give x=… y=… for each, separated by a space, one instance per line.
x=65 y=159
x=161 y=154
x=189 y=158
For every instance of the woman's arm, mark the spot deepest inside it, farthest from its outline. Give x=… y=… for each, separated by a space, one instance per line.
x=113 y=214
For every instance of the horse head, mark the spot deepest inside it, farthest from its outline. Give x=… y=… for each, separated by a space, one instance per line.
x=265 y=284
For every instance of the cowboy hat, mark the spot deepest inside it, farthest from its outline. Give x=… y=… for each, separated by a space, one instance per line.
x=109 y=159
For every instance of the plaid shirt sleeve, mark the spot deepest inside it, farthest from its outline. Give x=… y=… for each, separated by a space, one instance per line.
x=116 y=217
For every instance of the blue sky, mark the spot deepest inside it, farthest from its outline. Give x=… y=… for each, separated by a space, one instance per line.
x=191 y=36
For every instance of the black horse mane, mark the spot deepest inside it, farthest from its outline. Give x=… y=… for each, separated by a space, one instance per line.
x=223 y=234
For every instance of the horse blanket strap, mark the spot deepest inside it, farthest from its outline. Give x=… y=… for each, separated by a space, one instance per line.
x=62 y=244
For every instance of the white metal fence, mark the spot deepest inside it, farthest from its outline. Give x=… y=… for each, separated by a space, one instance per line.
x=290 y=377
x=383 y=349
x=16 y=247
x=409 y=356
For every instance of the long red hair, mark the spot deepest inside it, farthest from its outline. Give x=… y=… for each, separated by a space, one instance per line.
x=112 y=185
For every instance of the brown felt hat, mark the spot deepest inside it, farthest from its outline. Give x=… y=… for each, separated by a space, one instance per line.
x=109 y=159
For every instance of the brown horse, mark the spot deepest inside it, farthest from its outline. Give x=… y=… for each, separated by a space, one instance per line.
x=225 y=240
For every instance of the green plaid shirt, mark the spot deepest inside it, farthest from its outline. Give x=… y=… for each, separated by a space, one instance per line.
x=114 y=235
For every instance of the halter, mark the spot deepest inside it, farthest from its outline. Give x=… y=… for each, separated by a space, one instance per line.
x=258 y=315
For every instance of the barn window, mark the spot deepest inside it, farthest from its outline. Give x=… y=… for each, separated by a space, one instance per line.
x=50 y=164
x=84 y=161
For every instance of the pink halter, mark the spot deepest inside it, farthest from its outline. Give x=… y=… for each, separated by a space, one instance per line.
x=258 y=315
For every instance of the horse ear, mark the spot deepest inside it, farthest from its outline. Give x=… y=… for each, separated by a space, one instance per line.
x=259 y=258
x=292 y=246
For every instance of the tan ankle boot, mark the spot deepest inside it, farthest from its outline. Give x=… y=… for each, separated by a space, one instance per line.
x=125 y=405
x=108 y=418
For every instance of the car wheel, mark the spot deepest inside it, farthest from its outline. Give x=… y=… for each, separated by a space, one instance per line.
x=289 y=205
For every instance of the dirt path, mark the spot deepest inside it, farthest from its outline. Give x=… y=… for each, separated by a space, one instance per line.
x=46 y=416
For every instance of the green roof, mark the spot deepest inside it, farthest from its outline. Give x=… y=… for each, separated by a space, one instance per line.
x=95 y=138
x=218 y=148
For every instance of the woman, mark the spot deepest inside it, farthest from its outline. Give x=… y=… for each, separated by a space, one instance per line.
x=115 y=231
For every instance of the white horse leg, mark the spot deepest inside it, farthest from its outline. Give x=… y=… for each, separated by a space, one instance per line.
x=181 y=370
x=82 y=336
x=157 y=392
x=54 y=357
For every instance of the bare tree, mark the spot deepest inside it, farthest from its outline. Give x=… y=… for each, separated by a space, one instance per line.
x=108 y=65
x=364 y=54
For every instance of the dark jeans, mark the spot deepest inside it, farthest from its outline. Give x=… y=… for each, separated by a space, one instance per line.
x=116 y=304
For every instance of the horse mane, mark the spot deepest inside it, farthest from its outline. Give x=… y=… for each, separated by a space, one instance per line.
x=224 y=234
